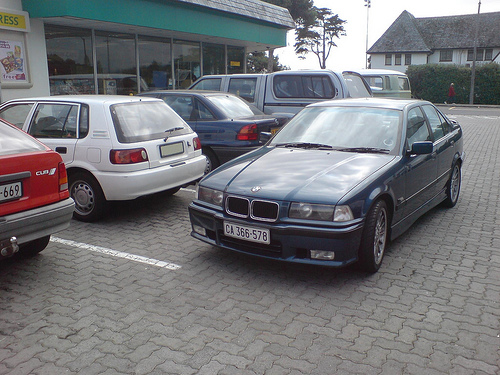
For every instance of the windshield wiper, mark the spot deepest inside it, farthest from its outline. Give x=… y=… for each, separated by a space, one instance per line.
x=169 y=131
x=364 y=149
x=304 y=145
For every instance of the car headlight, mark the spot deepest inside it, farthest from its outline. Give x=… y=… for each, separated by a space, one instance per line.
x=322 y=212
x=309 y=211
x=211 y=196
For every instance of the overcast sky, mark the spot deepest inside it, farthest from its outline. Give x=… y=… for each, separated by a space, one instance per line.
x=350 y=50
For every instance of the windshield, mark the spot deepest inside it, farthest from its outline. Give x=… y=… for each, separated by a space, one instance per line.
x=145 y=121
x=234 y=107
x=342 y=128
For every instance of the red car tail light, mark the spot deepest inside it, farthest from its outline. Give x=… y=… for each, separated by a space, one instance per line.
x=63 y=180
x=197 y=143
x=63 y=177
x=248 y=133
x=136 y=155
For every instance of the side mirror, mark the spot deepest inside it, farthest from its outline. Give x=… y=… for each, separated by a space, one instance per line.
x=422 y=148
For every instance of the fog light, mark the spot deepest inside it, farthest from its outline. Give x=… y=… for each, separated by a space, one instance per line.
x=322 y=255
x=200 y=230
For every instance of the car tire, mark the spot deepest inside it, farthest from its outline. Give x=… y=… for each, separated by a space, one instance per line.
x=212 y=161
x=90 y=203
x=453 y=186
x=32 y=248
x=374 y=238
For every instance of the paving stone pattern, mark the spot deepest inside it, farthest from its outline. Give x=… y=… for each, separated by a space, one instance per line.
x=433 y=308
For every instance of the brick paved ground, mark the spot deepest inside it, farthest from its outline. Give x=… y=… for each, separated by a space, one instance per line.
x=433 y=308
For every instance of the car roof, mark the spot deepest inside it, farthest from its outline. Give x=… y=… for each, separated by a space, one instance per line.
x=189 y=92
x=369 y=72
x=88 y=99
x=397 y=104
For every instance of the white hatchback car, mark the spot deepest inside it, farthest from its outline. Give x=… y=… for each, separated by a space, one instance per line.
x=114 y=147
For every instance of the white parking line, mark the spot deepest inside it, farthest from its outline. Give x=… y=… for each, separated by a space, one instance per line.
x=119 y=254
x=190 y=190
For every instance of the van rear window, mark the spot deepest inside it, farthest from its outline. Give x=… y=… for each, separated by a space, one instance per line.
x=145 y=121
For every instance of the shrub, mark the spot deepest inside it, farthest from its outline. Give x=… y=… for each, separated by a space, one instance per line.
x=432 y=81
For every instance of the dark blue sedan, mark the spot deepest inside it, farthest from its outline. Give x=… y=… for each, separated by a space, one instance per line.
x=227 y=125
x=335 y=184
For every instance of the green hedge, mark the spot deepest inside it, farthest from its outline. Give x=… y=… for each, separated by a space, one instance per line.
x=431 y=82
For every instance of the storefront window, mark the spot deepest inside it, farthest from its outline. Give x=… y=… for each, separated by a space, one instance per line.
x=155 y=61
x=116 y=64
x=69 y=56
x=214 y=58
x=186 y=63
x=235 y=60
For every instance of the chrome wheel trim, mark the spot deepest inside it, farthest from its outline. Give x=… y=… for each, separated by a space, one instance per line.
x=84 y=197
x=380 y=236
x=455 y=182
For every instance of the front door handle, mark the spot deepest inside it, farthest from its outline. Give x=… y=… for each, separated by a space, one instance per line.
x=62 y=150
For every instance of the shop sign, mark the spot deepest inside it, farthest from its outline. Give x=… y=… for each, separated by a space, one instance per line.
x=14 y=20
x=12 y=65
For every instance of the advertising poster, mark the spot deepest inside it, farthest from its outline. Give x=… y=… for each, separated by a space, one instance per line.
x=12 y=66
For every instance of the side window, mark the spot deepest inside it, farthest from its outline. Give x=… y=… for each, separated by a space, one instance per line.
x=416 y=127
x=54 y=121
x=300 y=86
x=84 y=122
x=319 y=87
x=244 y=88
x=16 y=114
x=202 y=112
x=208 y=84
x=439 y=126
x=287 y=86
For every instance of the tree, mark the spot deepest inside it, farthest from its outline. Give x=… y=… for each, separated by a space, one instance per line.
x=257 y=62
x=302 y=12
x=318 y=37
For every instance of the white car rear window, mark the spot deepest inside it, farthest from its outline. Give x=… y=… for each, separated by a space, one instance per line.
x=145 y=121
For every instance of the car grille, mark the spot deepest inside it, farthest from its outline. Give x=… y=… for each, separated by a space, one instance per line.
x=255 y=209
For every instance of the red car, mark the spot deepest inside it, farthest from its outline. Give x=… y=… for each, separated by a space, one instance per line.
x=34 y=197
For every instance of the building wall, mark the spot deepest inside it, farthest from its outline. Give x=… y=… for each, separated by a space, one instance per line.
x=378 y=61
x=35 y=57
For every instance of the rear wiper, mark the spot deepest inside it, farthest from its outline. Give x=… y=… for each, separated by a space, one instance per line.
x=169 y=131
x=364 y=149
x=304 y=145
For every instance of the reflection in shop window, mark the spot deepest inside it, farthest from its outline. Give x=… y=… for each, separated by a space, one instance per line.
x=213 y=59
x=235 y=60
x=69 y=53
x=155 y=62
x=116 y=64
x=186 y=63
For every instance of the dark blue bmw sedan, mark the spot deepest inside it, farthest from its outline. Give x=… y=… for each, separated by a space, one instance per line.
x=335 y=184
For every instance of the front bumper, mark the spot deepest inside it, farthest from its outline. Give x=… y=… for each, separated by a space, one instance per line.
x=36 y=223
x=289 y=242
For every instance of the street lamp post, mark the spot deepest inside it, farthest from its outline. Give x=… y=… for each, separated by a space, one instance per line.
x=368 y=4
x=474 y=57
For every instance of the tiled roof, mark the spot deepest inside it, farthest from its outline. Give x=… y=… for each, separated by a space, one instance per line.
x=249 y=8
x=410 y=34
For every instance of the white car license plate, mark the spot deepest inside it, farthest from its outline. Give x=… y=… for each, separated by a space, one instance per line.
x=247 y=233
x=171 y=149
x=11 y=191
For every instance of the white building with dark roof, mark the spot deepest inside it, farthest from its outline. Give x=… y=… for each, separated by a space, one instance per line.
x=437 y=40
